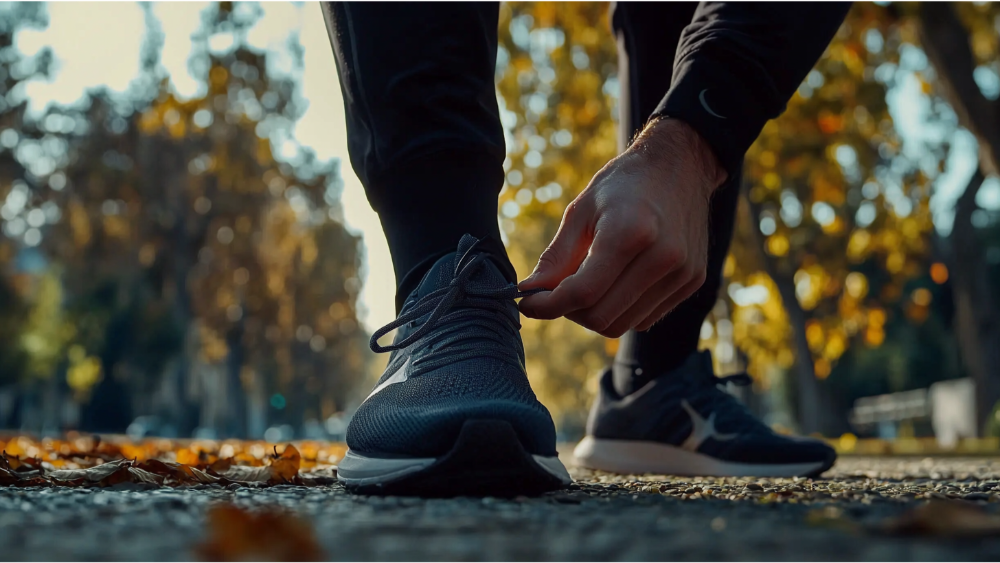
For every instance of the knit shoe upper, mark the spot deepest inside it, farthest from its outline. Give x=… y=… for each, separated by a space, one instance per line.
x=457 y=356
x=687 y=409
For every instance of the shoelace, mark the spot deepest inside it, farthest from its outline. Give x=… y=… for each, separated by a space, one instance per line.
x=480 y=307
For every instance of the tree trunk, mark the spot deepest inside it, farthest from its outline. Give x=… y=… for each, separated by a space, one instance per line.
x=946 y=42
x=977 y=303
x=186 y=413
x=976 y=314
x=811 y=409
x=236 y=396
x=810 y=406
x=52 y=404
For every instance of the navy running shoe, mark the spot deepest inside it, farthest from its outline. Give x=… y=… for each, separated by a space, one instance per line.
x=684 y=423
x=453 y=414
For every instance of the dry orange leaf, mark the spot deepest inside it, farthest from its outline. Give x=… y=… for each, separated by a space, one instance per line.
x=284 y=468
x=944 y=519
x=235 y=534
x=178 y=474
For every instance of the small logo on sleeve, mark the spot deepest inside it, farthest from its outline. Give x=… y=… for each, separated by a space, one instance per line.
x=704 y=104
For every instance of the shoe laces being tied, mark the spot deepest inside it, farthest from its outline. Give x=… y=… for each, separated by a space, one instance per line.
x=482 y=323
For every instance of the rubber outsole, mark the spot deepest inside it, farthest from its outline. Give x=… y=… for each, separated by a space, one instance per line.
x=487 y=459
x=641 y=457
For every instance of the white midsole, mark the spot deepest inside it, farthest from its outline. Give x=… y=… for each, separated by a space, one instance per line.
x=358 y=470
x=637 y=457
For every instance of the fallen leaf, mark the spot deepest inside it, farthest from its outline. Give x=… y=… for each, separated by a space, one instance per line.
x=285 y=467
x=88 y=460
x=244 y=474
x=321 y=475
x=15 y=463
x=944 y=519
x=187 y=457
x=220 y=465
x=235 y=534
x=179 y=474
x=142 y=476
x=7 y=477
x=98 y=474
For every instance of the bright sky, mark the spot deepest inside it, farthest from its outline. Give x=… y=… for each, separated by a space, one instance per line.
x=90 y=53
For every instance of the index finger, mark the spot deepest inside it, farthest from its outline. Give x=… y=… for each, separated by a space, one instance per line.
x=602 y=266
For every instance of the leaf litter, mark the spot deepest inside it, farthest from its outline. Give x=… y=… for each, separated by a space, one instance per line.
x=944 y=518
x=935 y=518
x=90 y=461
x=236 y=534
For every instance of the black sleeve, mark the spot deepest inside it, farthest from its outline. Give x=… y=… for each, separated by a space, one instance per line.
x=739 y=63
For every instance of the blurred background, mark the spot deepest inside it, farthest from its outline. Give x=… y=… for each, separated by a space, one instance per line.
x=185 y=250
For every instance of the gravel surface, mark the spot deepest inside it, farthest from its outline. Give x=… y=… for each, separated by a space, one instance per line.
x=601 y=517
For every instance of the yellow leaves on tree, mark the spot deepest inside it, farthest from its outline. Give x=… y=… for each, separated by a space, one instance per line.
x=556 y=79
x=831 y=194
x=182 y=204
x=83 y=371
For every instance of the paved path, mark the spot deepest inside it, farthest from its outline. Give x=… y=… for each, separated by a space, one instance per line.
x=601 y=517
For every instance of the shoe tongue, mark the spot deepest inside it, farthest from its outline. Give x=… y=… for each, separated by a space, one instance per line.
x=629 y=376
x=700 y=362
x=467 y=242
x=488 y=274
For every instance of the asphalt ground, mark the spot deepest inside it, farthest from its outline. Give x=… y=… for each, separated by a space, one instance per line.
x=865 y=508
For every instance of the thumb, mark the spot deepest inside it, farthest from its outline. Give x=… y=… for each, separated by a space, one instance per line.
x=564 y=254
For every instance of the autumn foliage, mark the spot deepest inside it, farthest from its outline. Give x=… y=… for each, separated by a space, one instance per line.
x=836 y=286
x=235 y=534
x=89 y=461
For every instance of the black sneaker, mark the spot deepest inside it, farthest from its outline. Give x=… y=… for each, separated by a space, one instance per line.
x=682 y=423
x=453 y=414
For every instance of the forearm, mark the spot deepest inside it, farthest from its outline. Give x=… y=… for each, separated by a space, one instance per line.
x=738 y=64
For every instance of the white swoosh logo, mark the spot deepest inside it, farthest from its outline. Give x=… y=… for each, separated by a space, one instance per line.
x=398 y=377
x=701 y=429
x=704 y=104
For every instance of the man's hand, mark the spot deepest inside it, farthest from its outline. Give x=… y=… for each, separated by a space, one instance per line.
x=633 y=245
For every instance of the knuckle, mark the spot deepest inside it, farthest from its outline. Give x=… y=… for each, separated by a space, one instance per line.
x=687 y=272
x=631 y=298
x=574 y=208
x=637 y=237
x=612 y=332
x=660 y=268
x=596 y=322
x=698 y=279
x=550 y=257
x=673 y=256
x=645 y=233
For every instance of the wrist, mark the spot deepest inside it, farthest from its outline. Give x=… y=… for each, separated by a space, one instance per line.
x=667 y=141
